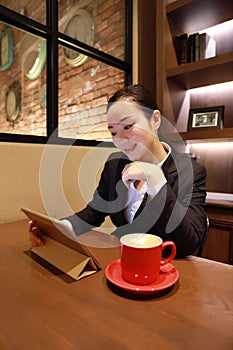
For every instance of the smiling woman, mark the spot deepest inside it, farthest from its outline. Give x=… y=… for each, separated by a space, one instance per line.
x=148 y=187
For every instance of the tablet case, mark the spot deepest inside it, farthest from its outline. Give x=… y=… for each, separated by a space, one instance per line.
x=68 y=255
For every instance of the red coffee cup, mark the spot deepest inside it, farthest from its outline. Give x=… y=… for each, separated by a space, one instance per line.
x=141 y=257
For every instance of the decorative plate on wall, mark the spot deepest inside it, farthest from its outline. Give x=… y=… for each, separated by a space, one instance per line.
x=6 y=47
x=32 y=55
x=80 y=27
x=13 y=100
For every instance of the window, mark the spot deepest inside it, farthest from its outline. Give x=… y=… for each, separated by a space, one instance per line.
x=60 y=61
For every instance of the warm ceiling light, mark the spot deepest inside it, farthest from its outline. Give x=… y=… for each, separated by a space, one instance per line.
x=211 y=88
x=219 y=28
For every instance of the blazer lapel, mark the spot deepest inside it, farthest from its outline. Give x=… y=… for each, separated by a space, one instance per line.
x=169 y=170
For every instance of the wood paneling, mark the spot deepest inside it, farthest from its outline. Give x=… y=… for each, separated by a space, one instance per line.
x=219 y=244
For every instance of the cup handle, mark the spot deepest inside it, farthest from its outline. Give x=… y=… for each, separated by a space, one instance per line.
x=173 y=252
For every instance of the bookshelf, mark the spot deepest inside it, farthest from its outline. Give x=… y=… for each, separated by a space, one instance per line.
x=174 y=81
x=196 y=85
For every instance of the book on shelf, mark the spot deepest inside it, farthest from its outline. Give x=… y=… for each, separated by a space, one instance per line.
x=182 y=43
x=207 y=46
x=195 y=47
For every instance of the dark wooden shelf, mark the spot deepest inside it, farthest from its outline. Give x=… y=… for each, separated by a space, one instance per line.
x=187 y=13
x=203 y=72
x=208 y=135
x=175 y=97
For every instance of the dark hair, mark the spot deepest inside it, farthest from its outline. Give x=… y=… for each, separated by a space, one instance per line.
x=137 y=93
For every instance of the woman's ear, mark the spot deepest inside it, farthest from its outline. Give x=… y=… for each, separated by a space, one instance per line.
x=156 y=119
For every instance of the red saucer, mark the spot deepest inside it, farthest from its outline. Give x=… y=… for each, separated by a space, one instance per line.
x=167 y=277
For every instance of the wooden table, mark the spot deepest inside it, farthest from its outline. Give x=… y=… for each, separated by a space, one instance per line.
x=41 y=308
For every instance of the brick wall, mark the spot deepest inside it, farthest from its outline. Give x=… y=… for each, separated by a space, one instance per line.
x=83 y=90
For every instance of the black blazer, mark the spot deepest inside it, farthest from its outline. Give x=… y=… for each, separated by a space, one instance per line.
x=176 y=213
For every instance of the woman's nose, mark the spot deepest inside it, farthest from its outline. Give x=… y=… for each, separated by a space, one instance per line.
x=122 y=134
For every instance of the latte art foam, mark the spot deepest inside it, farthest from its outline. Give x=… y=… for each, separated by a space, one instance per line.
x=141 y=241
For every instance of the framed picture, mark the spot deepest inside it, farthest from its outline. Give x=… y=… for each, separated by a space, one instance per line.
x=206 y=118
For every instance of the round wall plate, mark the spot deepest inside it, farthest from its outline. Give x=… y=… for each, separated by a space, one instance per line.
x=80 y=27
x=13 y=99
x=32 y=56
x=6 y=48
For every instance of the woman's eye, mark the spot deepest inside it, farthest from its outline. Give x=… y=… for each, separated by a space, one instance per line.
x=127 y=127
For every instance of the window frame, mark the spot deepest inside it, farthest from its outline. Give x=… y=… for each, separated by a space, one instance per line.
x=54 y=38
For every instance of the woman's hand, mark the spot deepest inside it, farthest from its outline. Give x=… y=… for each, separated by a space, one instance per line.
x=141 y=171
x=35 y=235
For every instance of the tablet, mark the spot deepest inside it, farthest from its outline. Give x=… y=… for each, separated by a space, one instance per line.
x=58 y=231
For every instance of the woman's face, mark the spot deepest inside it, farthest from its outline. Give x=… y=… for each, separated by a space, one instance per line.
x=132 y=132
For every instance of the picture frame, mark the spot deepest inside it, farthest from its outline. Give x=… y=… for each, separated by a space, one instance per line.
x=206 y=118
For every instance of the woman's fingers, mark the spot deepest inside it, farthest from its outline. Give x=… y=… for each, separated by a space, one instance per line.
x=133 y=172
x=35 y=234
x=142 y=171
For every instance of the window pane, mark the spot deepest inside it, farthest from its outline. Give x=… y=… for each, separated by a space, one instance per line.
x=98 y=23
x=83 y=95
x=28 y=8
x=23 y=77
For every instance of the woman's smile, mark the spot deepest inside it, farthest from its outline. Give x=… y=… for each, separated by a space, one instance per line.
x=130 y=149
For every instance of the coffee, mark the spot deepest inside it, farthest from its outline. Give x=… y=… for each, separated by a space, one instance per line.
x=142 y=266
x=141 y=240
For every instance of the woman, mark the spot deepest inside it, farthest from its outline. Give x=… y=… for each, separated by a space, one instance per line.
x=148 y=186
